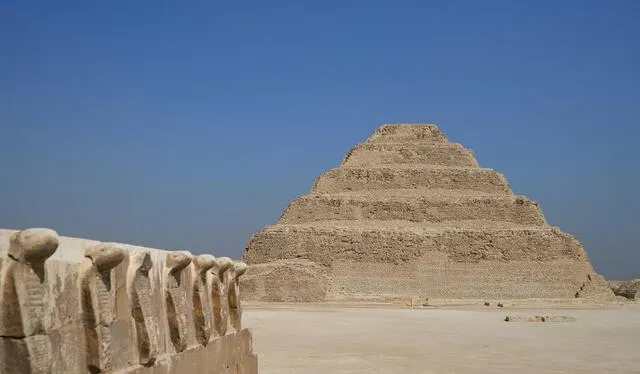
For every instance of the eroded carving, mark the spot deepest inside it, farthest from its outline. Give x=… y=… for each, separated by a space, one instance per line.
x=98 y=303
x=202 y=316
x=23 y=298
x=176 y=298
x=218 y=295
x=233 y=295
x=143 y=312
x=100 y=309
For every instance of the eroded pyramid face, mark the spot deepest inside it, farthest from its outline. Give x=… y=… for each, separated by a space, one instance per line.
x=410 y=214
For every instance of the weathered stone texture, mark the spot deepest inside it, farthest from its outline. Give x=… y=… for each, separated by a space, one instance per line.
x=406 y=133
x=629 y=289
x=218 y=295
x=289 y=280
x=72 y=305
x=202 y=309
x=401 y=176
x=416 y=207
x=444 y=154
x=409 y=214
x=145 y=318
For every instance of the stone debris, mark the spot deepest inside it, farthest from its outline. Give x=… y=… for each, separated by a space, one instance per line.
x=539 y=319
x=410 y=214
x=628 y=289
x=72 y=305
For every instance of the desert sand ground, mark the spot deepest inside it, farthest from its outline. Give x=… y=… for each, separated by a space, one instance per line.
x=340 y=339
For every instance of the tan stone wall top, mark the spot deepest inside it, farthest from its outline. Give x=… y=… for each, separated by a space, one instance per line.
x=71 y=305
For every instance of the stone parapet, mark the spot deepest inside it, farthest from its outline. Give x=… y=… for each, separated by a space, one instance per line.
x=71 y=305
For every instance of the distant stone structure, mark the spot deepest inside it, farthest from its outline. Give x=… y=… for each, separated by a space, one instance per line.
x=409 y=214
x=71 y=305
x=629 y=289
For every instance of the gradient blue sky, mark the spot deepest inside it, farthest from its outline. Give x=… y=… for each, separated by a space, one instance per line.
x=191 y=125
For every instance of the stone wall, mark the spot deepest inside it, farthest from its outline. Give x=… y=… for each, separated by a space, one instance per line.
x=71 y=305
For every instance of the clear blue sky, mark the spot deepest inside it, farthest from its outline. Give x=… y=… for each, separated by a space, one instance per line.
x=191 y=125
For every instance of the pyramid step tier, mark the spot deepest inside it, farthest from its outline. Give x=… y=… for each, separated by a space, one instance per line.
x=438 y=278
x=445 y=154
x=417 y=208
x=397 y=133
x=371 y=261
x=345 y=179
x=401 y=241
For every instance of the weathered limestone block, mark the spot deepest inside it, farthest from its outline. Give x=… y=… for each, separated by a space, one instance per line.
x=230 y=354
x=98 y=303
x=24 y=290
x=233 y=295
x=220 y=304
x=23 y=302
x=202 y=313
x=143 y=310
x=176 y=298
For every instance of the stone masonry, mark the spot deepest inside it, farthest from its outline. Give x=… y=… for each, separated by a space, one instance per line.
x=409 y=214
x=71 y=305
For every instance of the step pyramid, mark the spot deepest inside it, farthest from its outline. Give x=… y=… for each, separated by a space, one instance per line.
x=410 y=214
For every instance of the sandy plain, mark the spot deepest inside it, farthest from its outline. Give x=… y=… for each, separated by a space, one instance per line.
x=326 y=339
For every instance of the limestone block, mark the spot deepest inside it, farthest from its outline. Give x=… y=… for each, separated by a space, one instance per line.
x=28 y=355
x=227 y=354
x=98 y=303
x=220 y=304
x=24 y=302
x=143 y=310
x=233 y=295
x=24 y=292
x=202 y=313
x=178 y=302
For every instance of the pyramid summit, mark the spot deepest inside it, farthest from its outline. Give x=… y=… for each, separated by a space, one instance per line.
x=410 y=214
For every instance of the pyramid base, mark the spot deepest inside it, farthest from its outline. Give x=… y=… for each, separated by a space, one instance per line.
x=426 y=279
x=290 y=281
